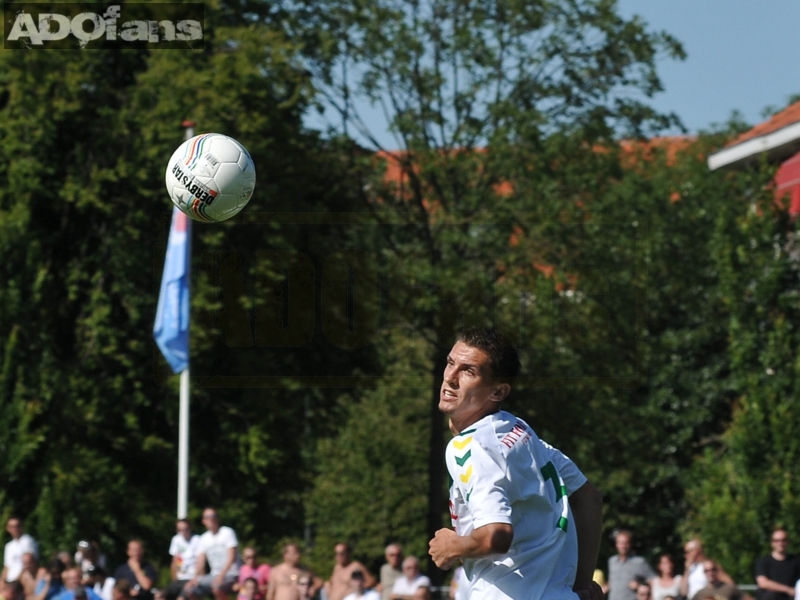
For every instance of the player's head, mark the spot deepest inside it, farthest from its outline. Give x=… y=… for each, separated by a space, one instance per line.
x=504 y=363
x=477 y=377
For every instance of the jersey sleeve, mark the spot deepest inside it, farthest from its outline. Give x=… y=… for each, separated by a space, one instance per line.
x=173 y=547
x=568 y=470
x=484 y=483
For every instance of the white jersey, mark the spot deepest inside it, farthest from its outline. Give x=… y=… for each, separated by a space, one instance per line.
x=503 y=473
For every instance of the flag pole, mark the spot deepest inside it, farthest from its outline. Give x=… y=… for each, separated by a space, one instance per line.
x=183 y=419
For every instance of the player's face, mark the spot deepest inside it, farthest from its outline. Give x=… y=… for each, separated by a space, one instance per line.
x=467 y=393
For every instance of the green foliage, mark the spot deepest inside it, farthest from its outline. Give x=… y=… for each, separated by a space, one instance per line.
x=745 y=476
x=372 y=479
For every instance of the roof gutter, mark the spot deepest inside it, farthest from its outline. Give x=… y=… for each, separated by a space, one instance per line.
x=778 y=145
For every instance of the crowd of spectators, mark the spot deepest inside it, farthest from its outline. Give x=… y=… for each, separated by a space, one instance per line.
x=212 y=566
x=630 y=577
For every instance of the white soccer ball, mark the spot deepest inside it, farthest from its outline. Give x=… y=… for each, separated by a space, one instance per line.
x=210 y=177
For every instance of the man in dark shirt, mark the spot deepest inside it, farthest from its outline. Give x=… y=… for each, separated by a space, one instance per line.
x=141 y=575
x=777 y=572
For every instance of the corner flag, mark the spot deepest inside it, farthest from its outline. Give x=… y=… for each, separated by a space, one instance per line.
x=171 y=328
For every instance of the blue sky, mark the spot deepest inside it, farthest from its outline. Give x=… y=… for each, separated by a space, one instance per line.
x=742 y=55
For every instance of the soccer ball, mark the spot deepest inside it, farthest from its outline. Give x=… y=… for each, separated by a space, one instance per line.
x=210 y=177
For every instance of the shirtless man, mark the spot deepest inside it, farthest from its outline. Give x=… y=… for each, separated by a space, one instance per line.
x=284 y=577
x=338 y=586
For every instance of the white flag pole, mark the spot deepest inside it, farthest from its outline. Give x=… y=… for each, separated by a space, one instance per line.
x=183 y=419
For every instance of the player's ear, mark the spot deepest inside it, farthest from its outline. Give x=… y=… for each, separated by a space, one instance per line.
x=501 y=390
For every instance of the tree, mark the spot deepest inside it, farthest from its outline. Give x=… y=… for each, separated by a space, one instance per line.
x=89 y=417
x=744 y=476
x=489 y=103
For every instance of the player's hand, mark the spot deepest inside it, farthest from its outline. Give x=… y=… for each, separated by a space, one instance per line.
x=593 y=592
x=440 y=548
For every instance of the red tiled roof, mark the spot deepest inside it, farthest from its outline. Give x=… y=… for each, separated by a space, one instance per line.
x=786 y=117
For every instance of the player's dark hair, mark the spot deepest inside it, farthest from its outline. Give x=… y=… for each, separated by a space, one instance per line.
x=503 y=355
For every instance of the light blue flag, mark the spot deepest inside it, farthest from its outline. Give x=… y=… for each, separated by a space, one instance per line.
x=171 y=328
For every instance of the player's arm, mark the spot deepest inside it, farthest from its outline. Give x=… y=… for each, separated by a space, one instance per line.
x=173 y=568
x=586 y=504
x=447 y=546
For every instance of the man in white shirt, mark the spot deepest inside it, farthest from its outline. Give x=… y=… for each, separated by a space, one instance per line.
x=218 y=548
x=20 y=544
x=405 y=586
x=184 y=550
x=527 y=523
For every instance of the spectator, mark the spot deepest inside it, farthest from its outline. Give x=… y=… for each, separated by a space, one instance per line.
x=412 y=579
x=338 y=586
x=667 y=583
x=422 y=593
x=248 y=589
x=140 y=574
x=50 y=583
x=184 y=550
x=74 y=588
x=694 y=578
x=98 y=580
x=391 y=571
x=20 y=543
x=65 y=558
x=88 y=555
x=218 y=547
x=777 y=572
x=304 y=583
x=121 y=590
x=360 y=591
x=715 y=587
x=14 y=591
x=626 y=570
x=284 y=578
x=250 y=569
x=28 y=577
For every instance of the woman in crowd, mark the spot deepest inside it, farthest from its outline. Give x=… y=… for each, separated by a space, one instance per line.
x=667 y=583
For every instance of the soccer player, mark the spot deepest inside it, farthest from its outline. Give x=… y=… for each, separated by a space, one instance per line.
x=527 y=522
